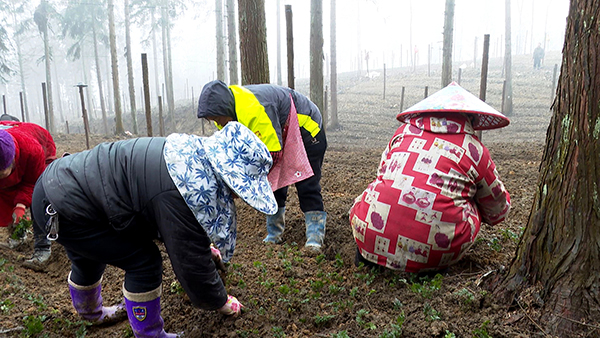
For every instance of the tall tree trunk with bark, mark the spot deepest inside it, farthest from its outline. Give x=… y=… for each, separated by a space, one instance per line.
x=279 y=82
x=115 y=69
x=99 y=78
x=333 y=81
x=447 y=48
x=316 y=55
x=155 y=55
x=508 y=92
x=253 y=42
x=558 y=255
x=220 y=40
x=232 y=43
x=130 y=68
x=41 y=18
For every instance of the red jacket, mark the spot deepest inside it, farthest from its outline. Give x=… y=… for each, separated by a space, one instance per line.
x=435 y=185
x=35 y=148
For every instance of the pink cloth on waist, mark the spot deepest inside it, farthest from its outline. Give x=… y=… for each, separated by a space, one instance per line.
x=293 y=165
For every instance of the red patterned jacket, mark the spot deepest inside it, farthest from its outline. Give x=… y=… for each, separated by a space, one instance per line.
x=435 y=184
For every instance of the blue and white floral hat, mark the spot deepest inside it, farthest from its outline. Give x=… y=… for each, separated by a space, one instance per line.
x=243 y=162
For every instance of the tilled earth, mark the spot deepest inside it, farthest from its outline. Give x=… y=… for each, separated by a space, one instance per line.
x=288 y=292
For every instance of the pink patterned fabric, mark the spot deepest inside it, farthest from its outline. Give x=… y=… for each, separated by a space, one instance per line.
x=293 y=165
x=435 y=184
x=454 y=98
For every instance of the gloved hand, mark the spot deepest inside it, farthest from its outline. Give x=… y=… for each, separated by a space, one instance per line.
x=216 y=257
x=231 y=307
x=18 y=213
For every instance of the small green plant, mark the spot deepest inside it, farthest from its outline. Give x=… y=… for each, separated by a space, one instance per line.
x=284 y=289
x=6 y=305
x=247 y=333
x=341 y=334
x=278 y=332
x=317 y=285
x=397 y=304
x=449 y=334
x=320 y=258
x=507 y=234
x=360 y=320
x=427 y=286
x=354 y=291
x=495 y=244
x=339 y=262
x=431 y=314
x=21 y=228
x=334 y=289
x=287 y=265
x=396 y=331
x=33 y=325
x=322 y=320
x=176 y=288
x=482 y=332
x=466 y=296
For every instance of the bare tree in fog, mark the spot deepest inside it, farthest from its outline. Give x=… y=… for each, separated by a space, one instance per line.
x=448 y=37
x=41 y=17
x=557 y=257
x=316 y=55
x=115 y=68
x=253 y=42
x=507 y=108
x=334 y=124
x=81 y=22
x=129 y=58
x=20 y=25
x=143 y=13
x=232 y=43
x=220 y=40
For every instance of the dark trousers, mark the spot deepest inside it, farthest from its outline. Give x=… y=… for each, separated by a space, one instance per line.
x=92 y=244
x=309 y=190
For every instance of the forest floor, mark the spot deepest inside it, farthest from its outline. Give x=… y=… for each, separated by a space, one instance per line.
x=288 y=292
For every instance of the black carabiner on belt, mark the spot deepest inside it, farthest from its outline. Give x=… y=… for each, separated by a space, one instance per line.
x=52 y=224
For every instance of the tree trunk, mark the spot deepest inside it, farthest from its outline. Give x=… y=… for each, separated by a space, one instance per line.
x=333 y=59
x=279 y=82
x=165 y=54
x=48 y=81
x=21 y=71
x=508 y=93
x=289 y=28
x=130 y=69
x=316 y=55
x=115 y=69
x=253 y=42
x=448 y=38
x=155 y=55
x=99 y=78
x=558 y=255
x=169 y=80
x=232 y=42
x=220 y=40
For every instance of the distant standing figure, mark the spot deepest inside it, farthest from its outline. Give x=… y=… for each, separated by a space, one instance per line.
x=7 y=117
x=538 y=56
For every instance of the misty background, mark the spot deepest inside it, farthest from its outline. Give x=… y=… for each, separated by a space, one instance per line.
x=370 y=33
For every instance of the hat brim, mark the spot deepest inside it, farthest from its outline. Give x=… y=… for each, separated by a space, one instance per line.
x=243 y=162
x=455 y=99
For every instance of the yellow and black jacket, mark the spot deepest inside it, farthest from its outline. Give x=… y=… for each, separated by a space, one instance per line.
x=263 y=108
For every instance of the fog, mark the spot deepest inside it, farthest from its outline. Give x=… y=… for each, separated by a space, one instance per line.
x=383 y=29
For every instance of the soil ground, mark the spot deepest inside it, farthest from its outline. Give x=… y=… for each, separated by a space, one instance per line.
x=287 y=292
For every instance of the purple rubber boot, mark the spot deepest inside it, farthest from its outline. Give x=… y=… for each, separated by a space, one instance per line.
x=87 y=300
x=143 y=310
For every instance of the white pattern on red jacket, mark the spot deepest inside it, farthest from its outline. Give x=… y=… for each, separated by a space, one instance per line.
x=435 y=184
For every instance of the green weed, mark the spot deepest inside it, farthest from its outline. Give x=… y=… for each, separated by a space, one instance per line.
x=341 y=334
x=21 y=228
x=431 y=314
x=481 y=332
x=33 y=325
x=323 y=320
x=176 y=288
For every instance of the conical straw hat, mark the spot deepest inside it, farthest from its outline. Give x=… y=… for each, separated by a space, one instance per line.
x=454 y=98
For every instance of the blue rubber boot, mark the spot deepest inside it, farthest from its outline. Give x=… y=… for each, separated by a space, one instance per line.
x=275 y=226
x=315 y=229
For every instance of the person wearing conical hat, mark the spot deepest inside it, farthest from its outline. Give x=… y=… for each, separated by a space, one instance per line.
x=435 y=185
x=109 y=204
